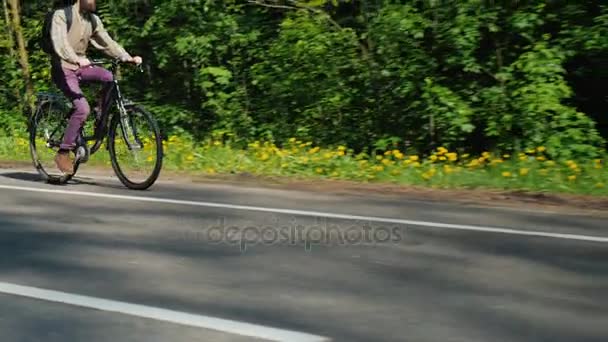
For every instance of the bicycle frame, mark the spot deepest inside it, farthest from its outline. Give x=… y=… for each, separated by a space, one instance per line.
x=113 y=96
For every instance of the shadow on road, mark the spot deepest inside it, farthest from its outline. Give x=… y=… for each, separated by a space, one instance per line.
x=77 y=180
x=432 y=286
x=23 y=176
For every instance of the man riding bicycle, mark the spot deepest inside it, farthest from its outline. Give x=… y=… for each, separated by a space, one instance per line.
x=70 y=66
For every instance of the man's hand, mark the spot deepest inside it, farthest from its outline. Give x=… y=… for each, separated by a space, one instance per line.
x=84 y=62
x=136 y=60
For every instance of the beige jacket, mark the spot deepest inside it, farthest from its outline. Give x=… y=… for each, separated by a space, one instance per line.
x=71 y=46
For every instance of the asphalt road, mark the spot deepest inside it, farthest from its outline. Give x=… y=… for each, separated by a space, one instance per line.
x=93 y=261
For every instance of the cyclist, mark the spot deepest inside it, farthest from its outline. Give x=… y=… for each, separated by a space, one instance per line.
x=70 y=66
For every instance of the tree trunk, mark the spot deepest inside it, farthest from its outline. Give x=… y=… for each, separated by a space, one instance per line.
x=23 y=55
x=9 y=31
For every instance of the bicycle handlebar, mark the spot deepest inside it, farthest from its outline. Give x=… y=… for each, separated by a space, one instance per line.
x=114 y=62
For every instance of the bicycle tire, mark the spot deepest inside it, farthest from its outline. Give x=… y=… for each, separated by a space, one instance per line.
x=44 y=174
x=159 y=150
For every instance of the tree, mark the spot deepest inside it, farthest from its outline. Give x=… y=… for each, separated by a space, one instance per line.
x=15 y=26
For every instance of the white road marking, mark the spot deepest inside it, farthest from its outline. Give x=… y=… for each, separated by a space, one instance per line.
x=590 y=238
x=212 y=323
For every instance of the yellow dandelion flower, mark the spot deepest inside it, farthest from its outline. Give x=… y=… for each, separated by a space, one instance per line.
x=379 y=168
x=486 y=155
x=398 y=154
x=335 y=174
x=523 y=158
x=530 y=151
x=188 y=158
x=379 y=157
x=327 y=155
x=150 y=159
x=387 y=162
x=414 y=158
x=573 y=166
x=341 y=153
x=466 y=155
x=388 y=153
x=569 y=162
x=541 y=149
x=452 y=156
x=264 y=156
x=416 y=164
x=292 y=140
x=211 y=170
x=442 y=150
x=541 y=158
x=572 y=178
x=473 y=163
x=433 y=158
x=314 y=150
x=442 y=158
x=319 y=170
x=506 y=174
x=524 y=171
x=341 y=148
x=217 y=143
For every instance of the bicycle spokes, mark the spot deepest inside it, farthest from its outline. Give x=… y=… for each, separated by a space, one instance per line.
x=135 y=142
x=46 y=137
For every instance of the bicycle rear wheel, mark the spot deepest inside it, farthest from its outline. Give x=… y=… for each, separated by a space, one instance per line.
x=136 y=148
x=47 y=127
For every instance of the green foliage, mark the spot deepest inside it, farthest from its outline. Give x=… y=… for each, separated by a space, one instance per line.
x=309 y=81
x=469 y=75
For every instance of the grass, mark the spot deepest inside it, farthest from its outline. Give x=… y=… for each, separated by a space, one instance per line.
x=529 y=170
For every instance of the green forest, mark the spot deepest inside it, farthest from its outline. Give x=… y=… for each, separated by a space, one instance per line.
x=467 y=75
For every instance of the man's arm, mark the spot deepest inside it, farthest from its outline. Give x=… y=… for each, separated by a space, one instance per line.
x=59 y=36
x=102 y=41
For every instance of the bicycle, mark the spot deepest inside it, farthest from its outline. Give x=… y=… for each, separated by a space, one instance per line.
x=118 y=122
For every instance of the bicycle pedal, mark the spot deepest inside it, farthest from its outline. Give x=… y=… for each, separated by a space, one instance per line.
x=81 y=155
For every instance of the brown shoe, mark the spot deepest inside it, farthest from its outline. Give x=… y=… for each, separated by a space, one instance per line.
x=64 y=163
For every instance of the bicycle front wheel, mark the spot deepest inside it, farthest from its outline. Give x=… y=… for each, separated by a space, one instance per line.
x=136 y=148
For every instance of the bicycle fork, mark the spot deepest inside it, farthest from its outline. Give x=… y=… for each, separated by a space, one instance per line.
x=126 y=127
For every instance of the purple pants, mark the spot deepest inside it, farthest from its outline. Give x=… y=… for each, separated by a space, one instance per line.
x=68 y=81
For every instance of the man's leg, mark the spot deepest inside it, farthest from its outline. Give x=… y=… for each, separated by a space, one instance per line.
x=101 y=75
x=69 y=83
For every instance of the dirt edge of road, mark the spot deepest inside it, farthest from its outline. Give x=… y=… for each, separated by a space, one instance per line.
x=516 y=199
x=597 y=205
